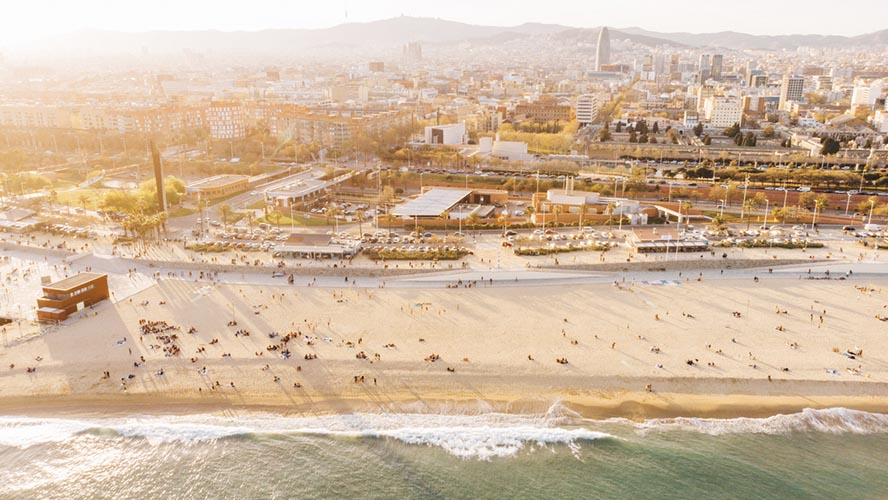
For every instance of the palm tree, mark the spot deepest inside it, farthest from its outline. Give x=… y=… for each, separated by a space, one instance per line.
x=611 y=208
x=36 y=204
x=557 y=209
x=250 y=220
x=389 y=219
x=359 y=215
x=686 y=205
x=718 y=223
x=332 y=211
x=748 y=206
x=274 y=217
x=503 y=220
x=83 y=199
x=154 y=224
x=127 y=226
x=445 y=215
x=472 y=220
x=226 y=211
x=819 y=204
x=162 y=218
x=53 y=199
x=529 y=211
x=583 y=209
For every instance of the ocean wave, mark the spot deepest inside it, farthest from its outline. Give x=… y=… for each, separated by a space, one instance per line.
x=481 y=436
x=829 y=420
x=468 y=436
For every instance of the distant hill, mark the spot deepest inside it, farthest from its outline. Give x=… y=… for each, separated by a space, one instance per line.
x=734 y=40
x=388 y=33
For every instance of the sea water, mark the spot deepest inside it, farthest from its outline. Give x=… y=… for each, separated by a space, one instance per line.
x=834 y=453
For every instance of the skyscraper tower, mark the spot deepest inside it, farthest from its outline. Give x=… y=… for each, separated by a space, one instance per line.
x=603 y=52
x=717 y=64
x=158 y=178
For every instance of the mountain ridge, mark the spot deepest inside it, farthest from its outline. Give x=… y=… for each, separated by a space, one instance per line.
x=397 y=31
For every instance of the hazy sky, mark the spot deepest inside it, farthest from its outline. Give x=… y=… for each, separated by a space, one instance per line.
x=24 y=20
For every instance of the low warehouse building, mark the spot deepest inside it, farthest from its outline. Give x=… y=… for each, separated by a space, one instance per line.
x=65 y=297
x=218 y=186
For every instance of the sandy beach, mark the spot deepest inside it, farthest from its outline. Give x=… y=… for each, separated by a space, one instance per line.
x=725 y=347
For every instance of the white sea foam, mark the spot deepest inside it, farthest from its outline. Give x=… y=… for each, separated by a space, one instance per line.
x=830 y=420
x=481 y=436
x=470 y=436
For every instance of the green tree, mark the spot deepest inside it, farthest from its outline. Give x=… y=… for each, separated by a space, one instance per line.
x=529 y=211
x=83 y=198
x=718 y=223
x=226 y=212
x=332 y=211
x=389 y=221
x=830 y=147
x=732 y=131
x=274 y=217
x=807 y=200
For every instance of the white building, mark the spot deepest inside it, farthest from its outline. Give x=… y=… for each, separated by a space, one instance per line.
x=722 y=111
x=881 y=120
x=793 y=89
x=226 y=120
x=505 y=150
x=587 y=109
x=454 y=133
x=865 y=94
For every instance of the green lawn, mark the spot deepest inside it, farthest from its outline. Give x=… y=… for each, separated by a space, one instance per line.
x=256 y=205
x=182 y=212
x=72 y=198
x=299 y=220
x=224 y=198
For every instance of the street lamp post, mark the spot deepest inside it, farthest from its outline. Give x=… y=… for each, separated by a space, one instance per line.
x=847 y=203
x=767 y=205
x=620 y=204
x=785 y=197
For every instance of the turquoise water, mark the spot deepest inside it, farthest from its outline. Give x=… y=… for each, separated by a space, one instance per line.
x=815 y=454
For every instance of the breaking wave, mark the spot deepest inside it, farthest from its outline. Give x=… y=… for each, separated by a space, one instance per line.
x=829 y=420
x=468 y=436
x=480 y=436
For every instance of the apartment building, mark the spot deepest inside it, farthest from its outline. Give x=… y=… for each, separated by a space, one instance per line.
x=544 y=111
x=723 y=111
x=587 y=109
x=792 y=90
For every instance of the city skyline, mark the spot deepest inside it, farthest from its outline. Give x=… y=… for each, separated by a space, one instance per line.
x=29 y=22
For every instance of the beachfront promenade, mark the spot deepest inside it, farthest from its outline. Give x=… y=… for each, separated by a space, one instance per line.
x=692 y=336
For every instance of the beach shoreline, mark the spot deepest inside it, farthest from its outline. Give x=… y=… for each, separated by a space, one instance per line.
x=600 y=405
